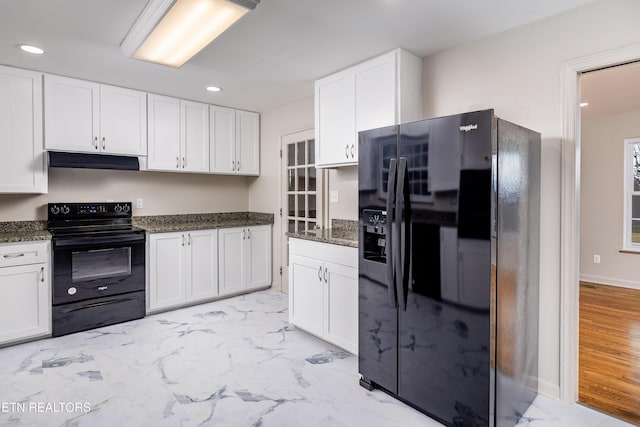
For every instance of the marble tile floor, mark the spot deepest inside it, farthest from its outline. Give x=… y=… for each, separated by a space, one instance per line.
x=234 y=362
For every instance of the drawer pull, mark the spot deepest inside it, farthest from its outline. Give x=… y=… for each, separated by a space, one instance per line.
x=42 y=274
x=11 y=256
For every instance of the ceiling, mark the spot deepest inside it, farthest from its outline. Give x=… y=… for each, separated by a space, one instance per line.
x=269 y=58
x=611 y=90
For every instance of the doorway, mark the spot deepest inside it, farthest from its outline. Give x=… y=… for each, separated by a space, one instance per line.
x=570 y=206
x=302 y=189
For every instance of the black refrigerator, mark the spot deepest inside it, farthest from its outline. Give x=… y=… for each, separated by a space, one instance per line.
x=449 y=266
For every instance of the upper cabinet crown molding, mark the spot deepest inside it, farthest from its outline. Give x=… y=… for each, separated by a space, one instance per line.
x=23 y=164
x=383 y=91
x=235 y=141
x=88 y=117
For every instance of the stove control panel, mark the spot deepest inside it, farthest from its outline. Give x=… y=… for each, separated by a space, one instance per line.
x=74 y=210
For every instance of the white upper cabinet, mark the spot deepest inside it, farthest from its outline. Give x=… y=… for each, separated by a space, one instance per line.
x=235 y=141
x=23 y=165
x=178 y=135
x=164 y=133
x=89 y=117
x=194 y=136
x=380 y=92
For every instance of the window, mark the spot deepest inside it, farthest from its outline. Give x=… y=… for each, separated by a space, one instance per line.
x=304 y=185
x=632 y=194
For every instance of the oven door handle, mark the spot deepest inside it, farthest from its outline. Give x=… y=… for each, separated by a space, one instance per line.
x=100 y=304
x=108 y=240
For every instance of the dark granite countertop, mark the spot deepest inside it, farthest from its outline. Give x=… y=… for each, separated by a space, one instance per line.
x=186 y=222
x=342 y=232
x=23 y=231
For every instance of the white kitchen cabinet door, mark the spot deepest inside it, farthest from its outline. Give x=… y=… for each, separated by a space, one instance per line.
x=25 y=306
x=232 y=262
x=375 y=94
x=341 y=296
x=247 y=143
x=167 y=270
x=123 y=121
x=258 y=254
x=335 y=119
x=164 y=133
x=202 y=264
x=223 y=139
x=323 y=291
x=23 y=164
x=194 y=136
x=306 y=296
x=71 y=115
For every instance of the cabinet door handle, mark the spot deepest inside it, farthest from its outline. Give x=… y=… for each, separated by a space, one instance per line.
x=248 y=233
x=325 y=275
x=11 y=256
x=189 y=239
x=320 y=273
x=346 y=151
x=104 y=143
x=95 y=142
x=233 y=165
x=243 y=231
x=238 y=166
x=182 y=240
x=353 y=152
x=42 y=274
x=177 y=162
x=184 y=163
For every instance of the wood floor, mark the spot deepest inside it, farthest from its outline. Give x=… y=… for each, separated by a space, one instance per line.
x=609 y=371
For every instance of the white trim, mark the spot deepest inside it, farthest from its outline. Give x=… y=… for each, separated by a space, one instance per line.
x=627 y=240
x=548 y=388
x=609 y=281
x=570 y=215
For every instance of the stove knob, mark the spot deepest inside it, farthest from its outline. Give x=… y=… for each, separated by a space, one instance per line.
x=125 y=208
x=55 y=209
x=117 y=208
x=65 y=209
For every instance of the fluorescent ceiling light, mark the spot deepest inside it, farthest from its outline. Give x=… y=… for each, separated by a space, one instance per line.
x=214 y=88
x=584 y=104
x=170 y=32
x=31 y=49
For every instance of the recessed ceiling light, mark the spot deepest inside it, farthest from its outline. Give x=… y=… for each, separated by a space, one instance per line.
x=584 y=104
x=214 y=88
x=31 y=49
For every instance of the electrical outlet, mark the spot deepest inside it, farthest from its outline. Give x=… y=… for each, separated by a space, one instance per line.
x=596 y=259
x=139 y=203
x=334 y=196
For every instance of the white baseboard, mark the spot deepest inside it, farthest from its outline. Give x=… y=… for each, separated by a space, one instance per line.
x=609 y=281
x=548 y=388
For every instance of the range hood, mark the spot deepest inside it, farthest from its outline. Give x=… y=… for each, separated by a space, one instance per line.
x=92 y=161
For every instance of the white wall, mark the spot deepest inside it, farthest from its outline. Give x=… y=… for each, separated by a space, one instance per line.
x=518 y=74
x=265 y=194
x=602 y=200
x=345 y=181
x=163 y=192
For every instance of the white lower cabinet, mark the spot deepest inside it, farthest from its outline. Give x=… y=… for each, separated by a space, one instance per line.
x=323 y=291
x=245 y=258
x=183 y=268
x=25 y=286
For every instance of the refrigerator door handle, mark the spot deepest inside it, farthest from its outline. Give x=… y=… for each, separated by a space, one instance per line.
x=402 y=252
x=390 y=245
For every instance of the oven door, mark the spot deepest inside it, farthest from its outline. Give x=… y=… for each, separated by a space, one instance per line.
x=90 y=267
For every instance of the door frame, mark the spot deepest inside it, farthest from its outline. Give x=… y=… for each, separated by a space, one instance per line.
x=570 y=208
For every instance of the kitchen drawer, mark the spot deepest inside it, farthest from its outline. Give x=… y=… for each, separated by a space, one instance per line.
x=328 y=252
x=23 y=253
